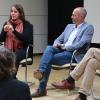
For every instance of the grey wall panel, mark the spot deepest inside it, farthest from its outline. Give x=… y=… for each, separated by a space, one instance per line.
x=40 y=32
x=31 y=7
x=2 y=20
x=5 y=6
x=40 y=24
x=40 y=42
x=35 y=7
x=93 y=17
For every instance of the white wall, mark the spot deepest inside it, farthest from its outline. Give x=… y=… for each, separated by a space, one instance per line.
x=93 y=17
x=36 y=12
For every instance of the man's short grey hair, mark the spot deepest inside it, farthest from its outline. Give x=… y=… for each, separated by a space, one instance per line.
x=83 y=11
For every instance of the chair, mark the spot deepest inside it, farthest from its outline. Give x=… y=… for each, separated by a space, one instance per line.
x=25 y=62
x=71 y=65
x=28 y=60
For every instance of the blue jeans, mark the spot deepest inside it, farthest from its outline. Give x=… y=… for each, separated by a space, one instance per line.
x=51 y=56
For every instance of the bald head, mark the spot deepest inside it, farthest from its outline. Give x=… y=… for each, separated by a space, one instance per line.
x=78 y=15
x=82 y=11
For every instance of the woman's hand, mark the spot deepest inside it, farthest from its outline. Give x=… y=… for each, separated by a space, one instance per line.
x=8 y=27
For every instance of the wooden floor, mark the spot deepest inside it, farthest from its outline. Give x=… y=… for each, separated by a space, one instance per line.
x=52 y=93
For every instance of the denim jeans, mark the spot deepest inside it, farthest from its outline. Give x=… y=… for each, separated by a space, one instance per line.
x=51 y=56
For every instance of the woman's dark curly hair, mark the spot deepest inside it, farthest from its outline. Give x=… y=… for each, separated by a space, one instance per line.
x=20 y=10
x=7 y=63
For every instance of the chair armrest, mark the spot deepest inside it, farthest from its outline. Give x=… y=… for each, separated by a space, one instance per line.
x=27 y=51
x=65 y=66
x=24 y=60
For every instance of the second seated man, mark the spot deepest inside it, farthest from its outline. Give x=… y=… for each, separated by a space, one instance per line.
x=74 y=37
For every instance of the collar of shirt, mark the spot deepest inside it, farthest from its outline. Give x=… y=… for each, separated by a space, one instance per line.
x=78 y=26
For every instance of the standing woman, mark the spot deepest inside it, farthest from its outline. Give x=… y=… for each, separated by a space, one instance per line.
x=17 y=34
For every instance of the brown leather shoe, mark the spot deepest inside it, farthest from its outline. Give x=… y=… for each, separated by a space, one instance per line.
x=64 y=85
x=38 y=94
x=38 y=75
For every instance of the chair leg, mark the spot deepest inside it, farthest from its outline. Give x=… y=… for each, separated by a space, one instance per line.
x=26 y=77
x=26 y=74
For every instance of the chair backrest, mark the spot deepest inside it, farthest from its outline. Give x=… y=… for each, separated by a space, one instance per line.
x=84 y=48
x=30 y=48
x=28 y=60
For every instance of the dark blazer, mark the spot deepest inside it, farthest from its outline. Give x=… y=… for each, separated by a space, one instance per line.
x=12 y=89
